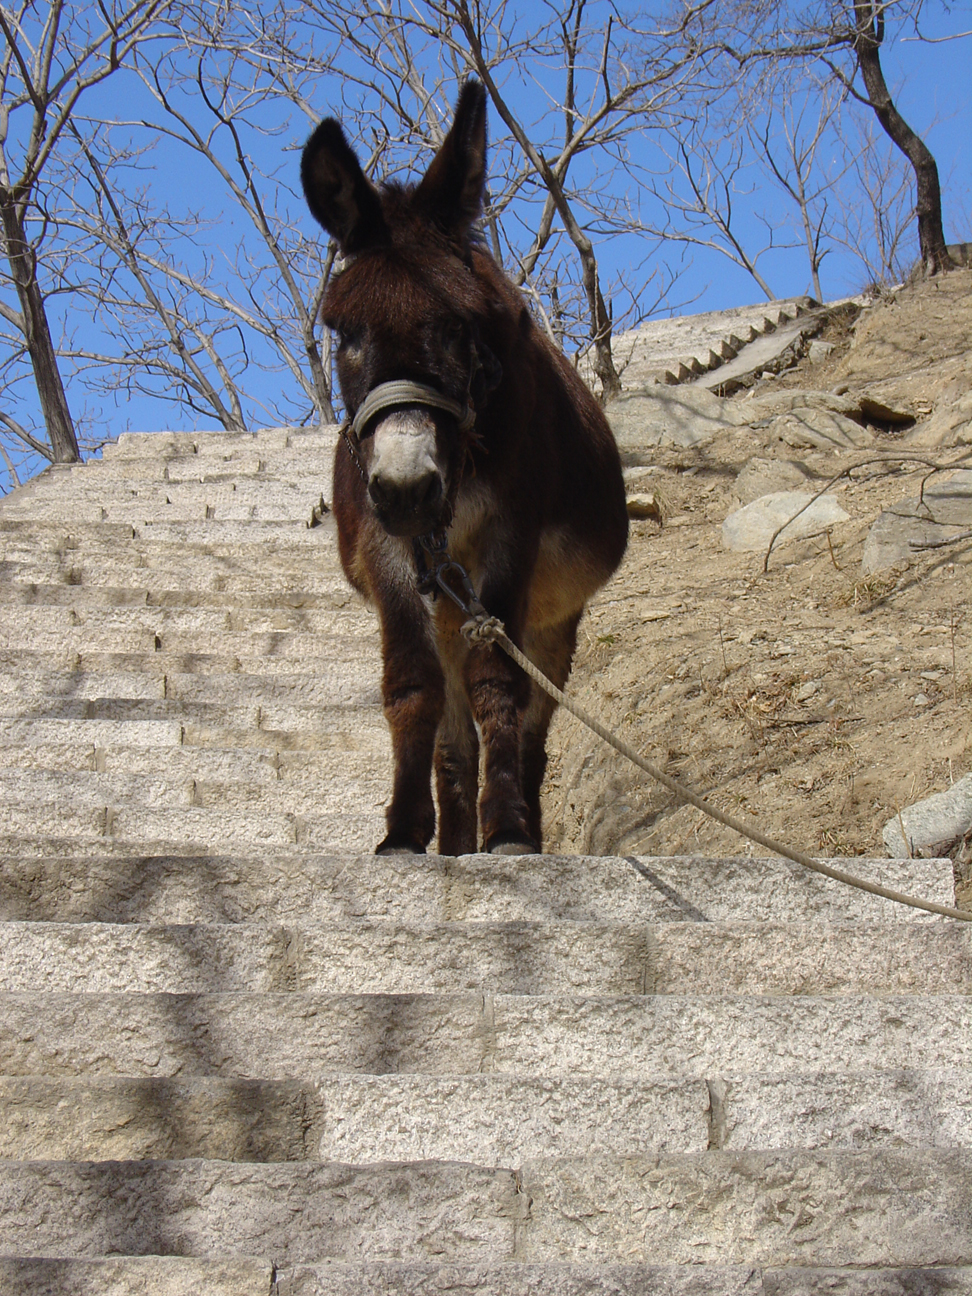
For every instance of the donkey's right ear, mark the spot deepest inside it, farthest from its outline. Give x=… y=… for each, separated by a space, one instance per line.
x=339 y=193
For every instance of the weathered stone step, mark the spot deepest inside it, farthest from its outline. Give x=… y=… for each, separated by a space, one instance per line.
x=159 y=663
x=52 y=878
x=291 y=465
x=910 y=1208
x=294 y=780
x=179 y=1276
x=394 y=1278
x=75 y=533
x=140 y=512
x=479 y=1118
x=144 y=1276
x=194 y=828
x=386 y=956
x=210 y=703
x=444 y=1034
x=96 y=497
x=275 y=477
x=173 y=575
x=487 y=1119
x=114 y=627
x=367 y=957
x=170 y=633
x=150 y=592
x=21 y=688
x=154 y=445
x=119 y=789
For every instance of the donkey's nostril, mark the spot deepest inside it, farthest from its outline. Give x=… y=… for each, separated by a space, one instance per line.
x=430 y=492
x=379 y=491
x=419 y=496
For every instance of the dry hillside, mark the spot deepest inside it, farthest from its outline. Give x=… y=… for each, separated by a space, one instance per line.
x=812 y=697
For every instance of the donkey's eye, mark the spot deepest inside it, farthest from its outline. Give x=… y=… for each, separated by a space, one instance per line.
x=452 y=337
x=350 y=341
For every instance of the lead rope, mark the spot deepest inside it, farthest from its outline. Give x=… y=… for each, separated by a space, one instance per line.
x=482 y=628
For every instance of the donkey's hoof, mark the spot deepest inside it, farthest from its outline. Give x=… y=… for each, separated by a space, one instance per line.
x=512 y=846
x=390 y=847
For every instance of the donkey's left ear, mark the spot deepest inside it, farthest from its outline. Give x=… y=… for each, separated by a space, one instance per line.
x=452 y=191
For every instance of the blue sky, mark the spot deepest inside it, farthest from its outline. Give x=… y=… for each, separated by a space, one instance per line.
x=932 y=87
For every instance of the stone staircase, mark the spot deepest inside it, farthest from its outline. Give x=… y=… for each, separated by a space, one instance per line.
x=240 y=1055
x=689 y=348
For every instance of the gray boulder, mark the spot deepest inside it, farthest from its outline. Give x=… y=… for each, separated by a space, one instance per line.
x=679 y=416
x=933 y=826
x=753 y=527
x=944 y=509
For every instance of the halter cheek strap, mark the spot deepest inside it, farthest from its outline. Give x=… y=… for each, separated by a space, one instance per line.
x=403 y=392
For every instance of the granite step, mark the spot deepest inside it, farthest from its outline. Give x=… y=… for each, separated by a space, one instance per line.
x=96 y=625
x=227 y=1033
x=332 y=591
x=393 y=1278
x=181 y=1276
x=491 y=1119
x=158 y=662
x=194 y=828
x=911 y=1209
x=388 y=956
x=290 y=705
x=53 y=877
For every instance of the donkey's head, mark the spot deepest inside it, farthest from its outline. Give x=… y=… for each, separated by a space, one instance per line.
x=405 y=311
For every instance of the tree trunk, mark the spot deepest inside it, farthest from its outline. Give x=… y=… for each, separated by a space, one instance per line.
x=37 y=334
x=869 y=25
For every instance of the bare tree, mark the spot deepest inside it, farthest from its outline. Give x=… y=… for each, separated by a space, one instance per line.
x=876 y=220
x=200 y=314
x=768 y=34
x=594 y=82
x=788 y=138
x=52 y=53
x=868 y=37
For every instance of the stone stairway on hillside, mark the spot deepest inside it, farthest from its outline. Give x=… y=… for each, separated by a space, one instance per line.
x=240 y=1055
x=690 y=348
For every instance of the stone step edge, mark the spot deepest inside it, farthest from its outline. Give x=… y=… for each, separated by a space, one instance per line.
x=910 y=1205
x=266 y=1121
x=246 y=1276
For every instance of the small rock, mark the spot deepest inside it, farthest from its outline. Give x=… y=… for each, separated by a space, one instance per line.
x=806 y=691
x=753 y=527
x=644 y=506
x=819 y=350
x=921 y=700
x=932 y=826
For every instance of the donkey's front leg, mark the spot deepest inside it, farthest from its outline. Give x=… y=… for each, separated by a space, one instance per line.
x=413 y=692
x=498 y=693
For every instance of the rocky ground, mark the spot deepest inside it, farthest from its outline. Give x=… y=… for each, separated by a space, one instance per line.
x=815 y=697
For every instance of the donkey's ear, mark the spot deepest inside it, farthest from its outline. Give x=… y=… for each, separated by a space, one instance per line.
x=339 y=193
x=452 y=191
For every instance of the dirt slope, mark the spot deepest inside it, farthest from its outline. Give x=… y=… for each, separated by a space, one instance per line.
x=810 y=697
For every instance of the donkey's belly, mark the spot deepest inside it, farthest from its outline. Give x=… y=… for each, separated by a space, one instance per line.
x=564 y=578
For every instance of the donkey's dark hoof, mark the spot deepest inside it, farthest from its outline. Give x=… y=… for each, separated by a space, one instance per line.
x=391 y=847
x=509 y=845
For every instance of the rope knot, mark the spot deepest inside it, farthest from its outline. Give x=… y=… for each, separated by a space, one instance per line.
x=482 y=629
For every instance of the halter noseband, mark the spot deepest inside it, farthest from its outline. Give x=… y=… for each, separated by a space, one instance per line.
x=404 y=392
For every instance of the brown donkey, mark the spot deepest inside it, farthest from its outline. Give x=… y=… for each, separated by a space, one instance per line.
x=467 y=424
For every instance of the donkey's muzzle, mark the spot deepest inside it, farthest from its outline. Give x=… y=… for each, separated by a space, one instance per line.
x=407 y=508
x=405 y=481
